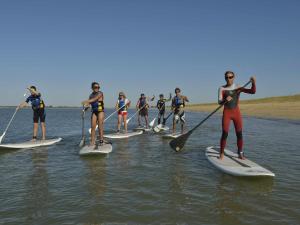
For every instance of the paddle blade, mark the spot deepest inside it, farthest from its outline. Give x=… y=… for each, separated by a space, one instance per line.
x=151 y=124
x=178 y=143
x=82 y=143
x=157 y=128
x=2 y=136
x=127 y=121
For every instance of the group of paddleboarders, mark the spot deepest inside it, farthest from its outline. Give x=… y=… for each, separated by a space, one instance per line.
x=228 y=95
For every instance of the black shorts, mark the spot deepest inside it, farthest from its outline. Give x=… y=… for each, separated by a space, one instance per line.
x=144 y=112
x=39 y=115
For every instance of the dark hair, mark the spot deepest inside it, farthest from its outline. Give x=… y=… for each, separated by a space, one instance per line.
x=177 y=89
x=161 y=95
x=94 y=83
x=33 y=87
x=229 y=72
x=142 y=94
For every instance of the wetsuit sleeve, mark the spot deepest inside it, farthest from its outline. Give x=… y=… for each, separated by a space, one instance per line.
x=220 y=96
x=28 y=99
x=251 y=90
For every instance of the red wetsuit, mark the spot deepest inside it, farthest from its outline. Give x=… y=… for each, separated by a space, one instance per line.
x=232 y=112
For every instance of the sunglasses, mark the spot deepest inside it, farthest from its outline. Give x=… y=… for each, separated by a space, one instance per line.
x=96 y=87
x=229 y=78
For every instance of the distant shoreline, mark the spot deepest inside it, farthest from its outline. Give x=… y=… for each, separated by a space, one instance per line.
x=282 y=107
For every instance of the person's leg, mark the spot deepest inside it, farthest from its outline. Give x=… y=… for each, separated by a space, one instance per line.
x=35 y=125
x=125 y=121
x=100 y=125
x=174 y=124
x=119 y=122
x=146 y=121
x=182 y=120
x=139 y=119
x=43 y=124
x=225 y=129
x=238 y=125
x=159 y=118
x=93 y=128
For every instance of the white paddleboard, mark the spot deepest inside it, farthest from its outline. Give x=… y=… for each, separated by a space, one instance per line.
x=90 y=150
x=122 y=135
x=232 y=165
x=171 y=136
x=31 y=144
x=142 y=129
x=160 y=128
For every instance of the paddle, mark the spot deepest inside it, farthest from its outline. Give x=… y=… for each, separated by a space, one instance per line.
x=151 y=124
x=13 y=116
x=178 y=143
x=127 y=121
x=82 y=142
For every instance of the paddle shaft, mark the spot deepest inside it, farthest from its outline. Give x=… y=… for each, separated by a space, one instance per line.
x=114 y=113
x=13 y=116
x=136 y=113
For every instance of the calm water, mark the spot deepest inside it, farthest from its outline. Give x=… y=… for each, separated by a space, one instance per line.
x=143 y=181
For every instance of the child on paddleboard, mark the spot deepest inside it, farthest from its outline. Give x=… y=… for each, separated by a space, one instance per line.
x=39 y=114
x=122 y=105
x=178 y=104
x=230 y=95
x=161 y=106
x=96 y=101
x=142 y=105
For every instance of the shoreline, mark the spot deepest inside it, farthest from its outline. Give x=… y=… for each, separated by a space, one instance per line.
x=283 y=107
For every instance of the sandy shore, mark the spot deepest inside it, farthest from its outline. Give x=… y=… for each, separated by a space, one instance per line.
x=285 y=107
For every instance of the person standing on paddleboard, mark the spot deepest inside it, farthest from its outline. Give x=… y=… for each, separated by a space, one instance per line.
x=230 y=94
x=161 y=106
x=96 y=101
x=39 y=114
x=142 y=105
x=178 y=104
x=122 y=105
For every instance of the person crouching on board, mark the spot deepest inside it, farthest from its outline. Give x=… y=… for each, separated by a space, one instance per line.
x=142 y=105
x=161 y=106
x=96 y=101
x=122 y=105
x=39 y=114
x=178 y=104
x=230 y=94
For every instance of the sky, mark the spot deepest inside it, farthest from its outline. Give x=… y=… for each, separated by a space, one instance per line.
x=146 y=46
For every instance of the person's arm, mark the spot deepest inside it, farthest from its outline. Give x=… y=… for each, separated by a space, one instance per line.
x=251 y=90
x=128 y=103
x=89 y=101
x=34 y=91
x=220 y=96
x=186 y=99
x=151 y=99
x=138 y=105
x=117 y=105
x=170 y=98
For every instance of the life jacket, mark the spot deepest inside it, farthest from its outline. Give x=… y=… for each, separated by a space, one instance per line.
x=161 y=104
x=178 y=102
x=121 y=105
x=97 y=106
x=142 y=102
x=36 y=102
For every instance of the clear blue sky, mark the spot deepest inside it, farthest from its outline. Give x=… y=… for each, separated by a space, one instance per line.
x=146 y=46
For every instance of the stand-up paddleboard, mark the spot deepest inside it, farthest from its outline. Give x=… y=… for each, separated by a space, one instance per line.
x=98 y=150
x=123 y=135
x=143 y=129
x=160 y=128
x=232 y=165
x=31 y=144
x=171 y=136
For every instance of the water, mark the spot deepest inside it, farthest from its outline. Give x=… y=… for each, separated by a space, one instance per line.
x=143 y=181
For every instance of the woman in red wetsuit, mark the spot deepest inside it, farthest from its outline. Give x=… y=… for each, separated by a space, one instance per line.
x=230 y=93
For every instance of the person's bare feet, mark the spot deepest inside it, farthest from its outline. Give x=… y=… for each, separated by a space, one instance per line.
x=241 y=155
x=221 y=157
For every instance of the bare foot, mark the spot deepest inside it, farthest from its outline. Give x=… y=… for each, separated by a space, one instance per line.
x=221 y=157
x=241 y=156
